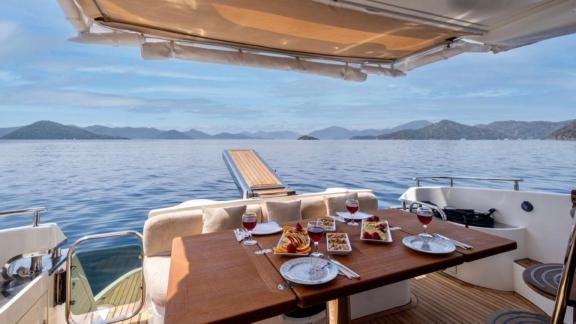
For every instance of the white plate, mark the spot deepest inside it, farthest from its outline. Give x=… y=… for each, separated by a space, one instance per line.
x=357 y=216
x=309 y=271
x=267 y=228
x=388 y=234
x=432 y=245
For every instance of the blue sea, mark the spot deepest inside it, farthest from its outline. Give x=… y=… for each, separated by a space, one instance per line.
x=103 y=186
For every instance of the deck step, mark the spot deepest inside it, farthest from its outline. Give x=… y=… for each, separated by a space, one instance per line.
x=526 y=262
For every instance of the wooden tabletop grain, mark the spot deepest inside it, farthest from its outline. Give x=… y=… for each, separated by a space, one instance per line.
x=213 y=278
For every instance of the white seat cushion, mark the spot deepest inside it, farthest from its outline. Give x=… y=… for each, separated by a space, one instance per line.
x=338 y=203
x=156 y=272
x=220 y=219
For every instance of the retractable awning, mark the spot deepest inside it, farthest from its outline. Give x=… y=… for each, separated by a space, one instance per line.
x=345 y=39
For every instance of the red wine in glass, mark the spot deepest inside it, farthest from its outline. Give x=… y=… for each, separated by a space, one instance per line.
x=315 y=233
x=249 y=222
x=352 y=205
x=425 y=217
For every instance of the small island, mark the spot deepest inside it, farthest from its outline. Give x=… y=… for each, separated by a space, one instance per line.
x=307 y=138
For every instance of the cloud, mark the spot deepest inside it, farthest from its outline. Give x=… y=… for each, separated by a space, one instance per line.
x=150 y=73
x=59 y=98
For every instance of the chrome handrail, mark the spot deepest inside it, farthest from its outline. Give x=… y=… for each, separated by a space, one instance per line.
x=34 y=211
x=451 y=178
x=431 y=206
x=72 y=249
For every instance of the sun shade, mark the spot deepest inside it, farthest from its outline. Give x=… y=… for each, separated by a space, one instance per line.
x=301 y=27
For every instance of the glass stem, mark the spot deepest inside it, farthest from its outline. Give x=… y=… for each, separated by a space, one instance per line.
x=425 y=229
x=316 y=246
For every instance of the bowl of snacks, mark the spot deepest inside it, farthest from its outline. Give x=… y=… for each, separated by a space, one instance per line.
x=338 y=243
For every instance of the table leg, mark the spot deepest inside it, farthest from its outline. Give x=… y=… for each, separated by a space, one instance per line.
x=338 y=310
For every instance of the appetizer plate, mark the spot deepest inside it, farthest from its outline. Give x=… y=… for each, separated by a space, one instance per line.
x=338 y=243
x=309 y=271
x=357 y=216
x=429 y=245
x=387 y=232
x=267 y=228
x=280 y=248
x=329 y=224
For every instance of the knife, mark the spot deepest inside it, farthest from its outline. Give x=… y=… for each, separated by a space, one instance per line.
x=345 y=268
x=457 y=243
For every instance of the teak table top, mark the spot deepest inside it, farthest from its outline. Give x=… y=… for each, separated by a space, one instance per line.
x=214 y=278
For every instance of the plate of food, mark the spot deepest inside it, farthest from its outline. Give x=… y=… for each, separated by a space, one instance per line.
x=338 y=243
x=293 y=242
x=328 y=223
x=375 y=230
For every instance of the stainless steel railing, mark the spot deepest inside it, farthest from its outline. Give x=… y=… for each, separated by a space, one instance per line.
x=451 y=178
x=70 y=254
x=34 y=211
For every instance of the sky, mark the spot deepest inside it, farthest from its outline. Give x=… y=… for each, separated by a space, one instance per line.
x=43 y=76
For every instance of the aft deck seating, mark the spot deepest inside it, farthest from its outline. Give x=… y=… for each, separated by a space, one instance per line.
x=253 y=176
x=185 y=219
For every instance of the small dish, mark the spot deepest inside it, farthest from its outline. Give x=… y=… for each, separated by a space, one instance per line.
x=357 y=216
x=328 y=223
x=381 y=227
x=338 y=243
x=267 y=228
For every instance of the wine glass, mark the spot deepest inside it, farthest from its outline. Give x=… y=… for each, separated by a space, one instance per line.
x=249 y=222
x=315 y=232
x=352 y=206
x=425 y=217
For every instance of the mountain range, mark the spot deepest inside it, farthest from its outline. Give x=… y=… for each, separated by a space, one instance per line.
x=416 y=130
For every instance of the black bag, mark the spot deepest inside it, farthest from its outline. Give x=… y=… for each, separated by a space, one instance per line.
x=467 y=217
x=470 y=217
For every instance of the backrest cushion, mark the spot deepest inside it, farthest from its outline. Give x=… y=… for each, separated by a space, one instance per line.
x=313 y=207
x=338 y=203
x=220 y=219
x=284 y=212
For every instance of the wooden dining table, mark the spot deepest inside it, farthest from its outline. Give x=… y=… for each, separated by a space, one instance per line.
x=213 y=278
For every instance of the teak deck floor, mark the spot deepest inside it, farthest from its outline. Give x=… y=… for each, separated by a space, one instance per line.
x=438 y=298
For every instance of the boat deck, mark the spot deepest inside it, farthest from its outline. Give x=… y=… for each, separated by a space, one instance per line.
x=440 y=298
x=436 y=298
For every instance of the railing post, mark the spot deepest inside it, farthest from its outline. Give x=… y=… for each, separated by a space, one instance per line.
x=451 y=182
x=516 y=185
x=417 y=182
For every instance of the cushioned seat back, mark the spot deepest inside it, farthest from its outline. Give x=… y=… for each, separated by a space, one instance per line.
x=159 y=231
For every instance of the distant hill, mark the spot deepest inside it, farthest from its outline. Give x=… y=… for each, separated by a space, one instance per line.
x=567 y=132
x=230 y=136
x=444 y=130
x=50 y=130
x=307 y=138
x=172 y=134
x=374 y=133
x=4 y=131
x=524 y=130
x=336 y=132
x=284 y=135
x=146 y=133
x=196 y=134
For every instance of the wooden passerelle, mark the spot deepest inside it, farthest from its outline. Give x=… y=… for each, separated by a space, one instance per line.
x=254 y=174
x=210 y=273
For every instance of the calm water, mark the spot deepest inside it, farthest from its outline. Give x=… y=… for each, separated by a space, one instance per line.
x=101 y=186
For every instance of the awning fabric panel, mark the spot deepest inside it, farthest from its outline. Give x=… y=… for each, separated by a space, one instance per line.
x=298 y=26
